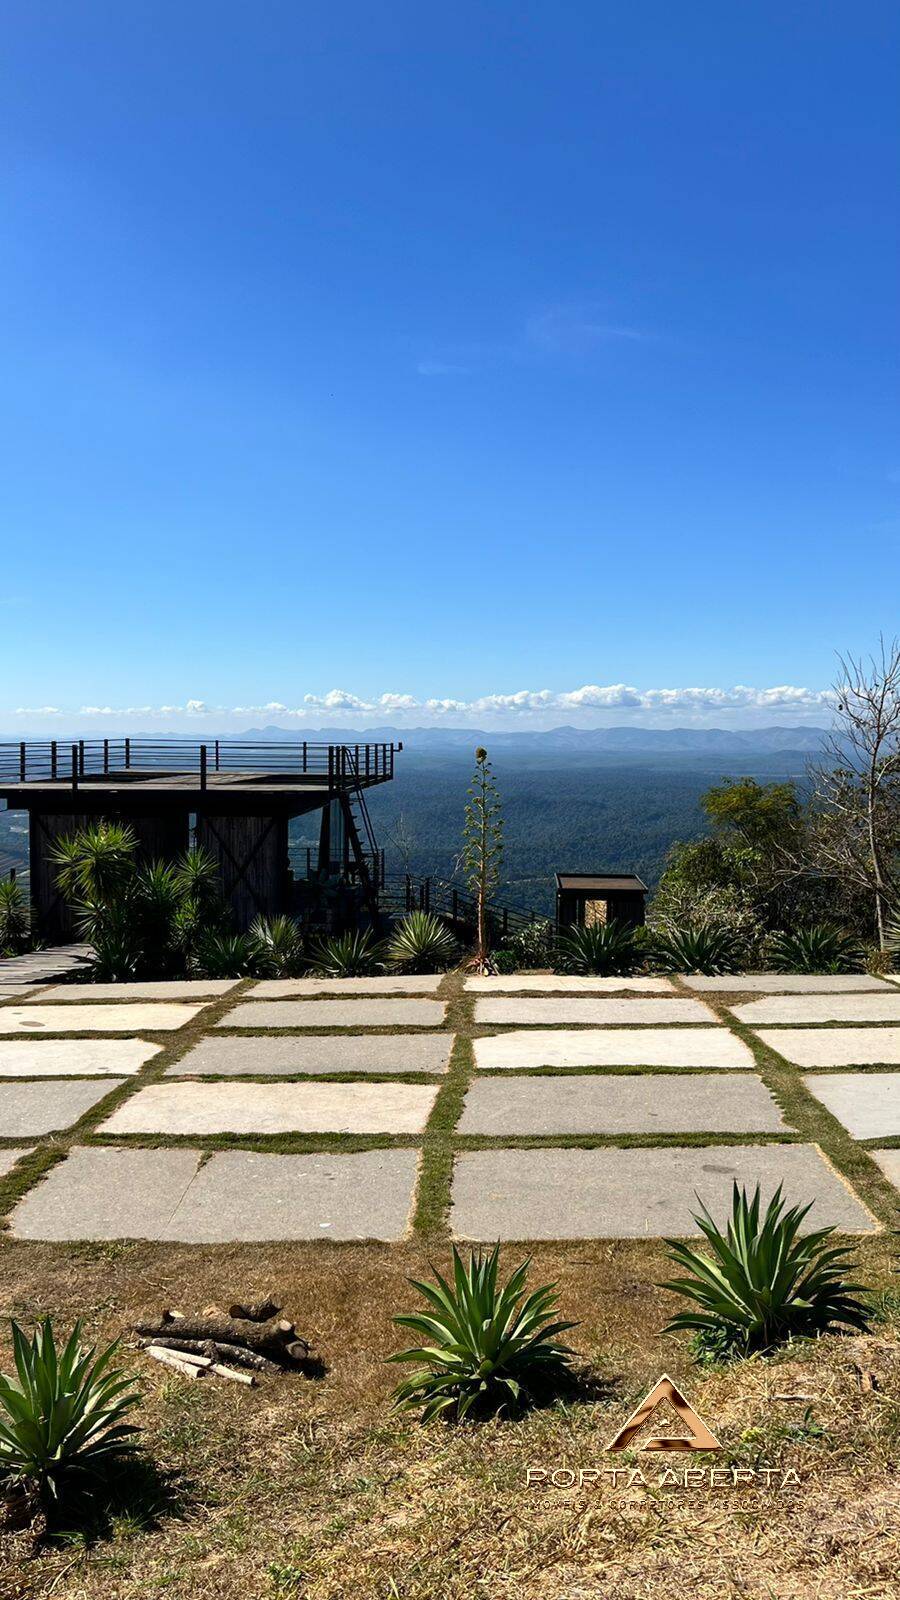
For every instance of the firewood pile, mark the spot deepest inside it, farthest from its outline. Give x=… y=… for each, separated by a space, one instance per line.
x=248 y=1340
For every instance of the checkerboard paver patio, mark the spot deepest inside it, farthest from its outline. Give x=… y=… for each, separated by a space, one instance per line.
x=137 y=1017
x=356 y=1013
x=527 y=1048
x=867 y=1103
x=634 y=1194
x=585 y=1061
x=297 y=1054
x=28 y=1110
x=629 y=1009
x=818 y=1008
x=237 y=1196
x=835 y=1047
x=245 y=1108
x=593 y=1103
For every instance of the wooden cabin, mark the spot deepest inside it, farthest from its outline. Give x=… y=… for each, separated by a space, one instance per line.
x=586 y=898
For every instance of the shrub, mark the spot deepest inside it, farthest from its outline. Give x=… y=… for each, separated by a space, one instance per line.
x=707 y=950
x=346 y=955
x=602 y=949
x=486 y=1348
x=421 y=943
x=14 y=926
x=277 y=947
x=531 y=946
x=63 y=1415
x=141 y=919
x=764 y=1283
x=224 y=955
x=679 y=906
x=819 y=948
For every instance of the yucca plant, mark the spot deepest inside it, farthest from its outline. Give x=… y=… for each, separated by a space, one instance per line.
x=708 y=950
x=764 y=1282
x=64 y=1414
x=603 y=949
x=818 y=948
x=95 y=865
x=224 y=955
x=486 y=1348
x=113 y=935
x=277 y=946
x=14 y=927
x=346 y=955
x=421 y=943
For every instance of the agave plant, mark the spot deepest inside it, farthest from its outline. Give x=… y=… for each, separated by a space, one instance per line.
x=764 y=1282
x=486 y=1347
x=707 y=950
x=604 y=949
x=346 y=955
x=64 y=1413
x=13 y=918
x=224 y=955
x=818 y=948
x=277 y=947
x=421 y=943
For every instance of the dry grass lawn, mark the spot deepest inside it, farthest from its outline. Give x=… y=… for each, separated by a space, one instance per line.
x=309 y=1489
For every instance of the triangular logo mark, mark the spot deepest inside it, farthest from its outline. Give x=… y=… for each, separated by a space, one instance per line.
x=698 y=1437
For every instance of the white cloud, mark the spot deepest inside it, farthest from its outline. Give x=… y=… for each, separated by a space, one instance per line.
x=590 y=705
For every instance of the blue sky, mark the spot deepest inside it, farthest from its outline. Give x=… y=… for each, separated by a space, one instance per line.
x=518 y=362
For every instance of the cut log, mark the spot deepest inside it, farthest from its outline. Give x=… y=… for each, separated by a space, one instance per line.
x=194 y=1358
x=170 y=1358
x=239 y=1357
x=278 y=1341
x=255 y=1310
x=236 y=1377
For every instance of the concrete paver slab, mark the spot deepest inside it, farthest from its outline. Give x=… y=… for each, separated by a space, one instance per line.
x=613 y=1047
x=633 y=1194
x=822 y=1008
x=564 y=983
x=662 y=1103
x=391 y=983
x=242 y=1195
x=889 y=1162
x=74 y=1058
x=593 y=1012
x=139 y=1017
x=247 y=1108
x=835 y=1047
x=171 y=989
x=867 y=1103
x=280 y=1055
x=376 y=1013
x=8 y=1158
x=28 y=1110
x=106 y=1194
x=786 y=983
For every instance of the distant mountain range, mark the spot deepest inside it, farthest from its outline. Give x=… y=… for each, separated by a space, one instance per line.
x=625 y=740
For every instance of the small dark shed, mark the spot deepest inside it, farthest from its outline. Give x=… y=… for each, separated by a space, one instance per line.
x=585 y=898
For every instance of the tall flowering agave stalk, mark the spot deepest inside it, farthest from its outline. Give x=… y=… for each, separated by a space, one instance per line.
x=486 y=1348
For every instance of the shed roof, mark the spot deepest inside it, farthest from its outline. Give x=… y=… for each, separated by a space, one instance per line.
x=600 y=882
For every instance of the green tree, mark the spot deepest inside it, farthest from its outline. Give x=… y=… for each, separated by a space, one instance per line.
x=482 y=848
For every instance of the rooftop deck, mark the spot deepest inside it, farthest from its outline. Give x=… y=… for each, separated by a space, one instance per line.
x=128 y=771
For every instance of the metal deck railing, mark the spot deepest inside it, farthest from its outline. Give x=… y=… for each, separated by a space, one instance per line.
x=341 y=766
